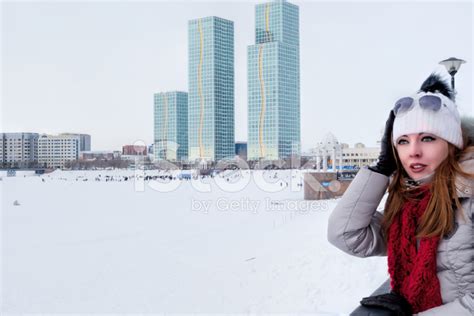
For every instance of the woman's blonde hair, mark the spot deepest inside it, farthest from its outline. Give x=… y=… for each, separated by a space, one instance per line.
x=438 y=218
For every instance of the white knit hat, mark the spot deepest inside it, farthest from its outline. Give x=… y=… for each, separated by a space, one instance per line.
x=444 y=123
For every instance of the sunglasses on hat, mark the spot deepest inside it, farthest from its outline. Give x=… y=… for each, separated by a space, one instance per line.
x=426 y=102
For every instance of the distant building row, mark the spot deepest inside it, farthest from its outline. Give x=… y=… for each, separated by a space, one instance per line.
x=34 y=150
x=199 y=125
x=26 y=150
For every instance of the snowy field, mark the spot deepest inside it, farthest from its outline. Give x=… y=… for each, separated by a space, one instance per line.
x=91 y=242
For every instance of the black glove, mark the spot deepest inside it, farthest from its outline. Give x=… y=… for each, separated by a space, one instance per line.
x=396 y=304
x=386 y=164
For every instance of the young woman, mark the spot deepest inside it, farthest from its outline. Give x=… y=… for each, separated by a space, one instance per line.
x=426 y=229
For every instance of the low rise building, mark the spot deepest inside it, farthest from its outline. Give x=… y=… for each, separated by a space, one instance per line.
x=18 y=150
x=359 y=156
x=85 y=141
x=330 y=154
x=55 y=150
x=134 y=150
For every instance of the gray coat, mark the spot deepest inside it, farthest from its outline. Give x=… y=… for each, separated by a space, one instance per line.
x=355 y=228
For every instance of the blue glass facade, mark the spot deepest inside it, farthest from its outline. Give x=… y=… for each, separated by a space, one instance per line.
x=273 y=83
x=171 y=126
x=211 y=89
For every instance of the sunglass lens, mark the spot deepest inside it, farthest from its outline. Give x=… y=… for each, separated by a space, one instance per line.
x=403 y=105
x=430 y=102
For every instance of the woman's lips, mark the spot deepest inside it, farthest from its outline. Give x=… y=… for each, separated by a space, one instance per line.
x=417 y=167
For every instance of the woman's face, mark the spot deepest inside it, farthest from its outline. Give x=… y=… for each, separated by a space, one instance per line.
x=420 y=154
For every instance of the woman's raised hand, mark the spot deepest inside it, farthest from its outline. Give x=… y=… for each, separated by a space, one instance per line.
x=386 y=164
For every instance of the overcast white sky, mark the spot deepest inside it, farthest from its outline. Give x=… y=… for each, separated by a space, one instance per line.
x=93 y=66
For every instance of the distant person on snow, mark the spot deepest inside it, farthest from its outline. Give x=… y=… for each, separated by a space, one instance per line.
x=426 y=229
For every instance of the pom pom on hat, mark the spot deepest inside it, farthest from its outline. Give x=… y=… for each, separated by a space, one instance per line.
x=434 y=83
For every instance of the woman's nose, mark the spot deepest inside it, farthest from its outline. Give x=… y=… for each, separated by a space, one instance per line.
x=415 y=150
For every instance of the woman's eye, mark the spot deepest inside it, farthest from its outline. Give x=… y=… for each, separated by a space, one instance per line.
x=402 y=141
x=428 y=139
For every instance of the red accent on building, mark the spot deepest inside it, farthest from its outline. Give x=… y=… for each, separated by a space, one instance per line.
x=134 y=150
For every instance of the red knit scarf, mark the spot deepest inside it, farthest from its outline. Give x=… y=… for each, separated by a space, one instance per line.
x=412 y=272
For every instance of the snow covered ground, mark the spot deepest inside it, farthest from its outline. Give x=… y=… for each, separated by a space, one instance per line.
x=83 y=243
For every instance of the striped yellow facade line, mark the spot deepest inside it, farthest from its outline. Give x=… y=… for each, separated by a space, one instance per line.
x=201 y=98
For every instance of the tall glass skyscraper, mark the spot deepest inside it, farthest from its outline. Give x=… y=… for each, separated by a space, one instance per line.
x=211 y=89
x=171 y=126
x=274 y=83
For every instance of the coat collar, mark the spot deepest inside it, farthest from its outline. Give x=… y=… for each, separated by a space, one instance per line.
x=464 y=186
